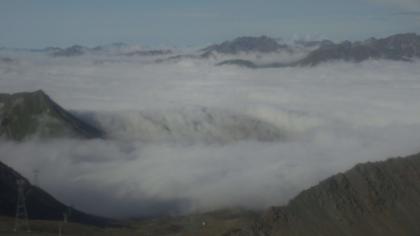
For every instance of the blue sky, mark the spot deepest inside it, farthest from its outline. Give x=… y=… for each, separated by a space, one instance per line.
x=41 y=23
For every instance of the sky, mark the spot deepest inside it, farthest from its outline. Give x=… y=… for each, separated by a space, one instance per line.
x=184 y=23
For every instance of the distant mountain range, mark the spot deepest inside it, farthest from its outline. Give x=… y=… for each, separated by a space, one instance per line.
x=399 y=47
x=261 y=44
x=24 y=115
x=239 y=51
x=40 y=205
x=114 y=49
x=248 y=45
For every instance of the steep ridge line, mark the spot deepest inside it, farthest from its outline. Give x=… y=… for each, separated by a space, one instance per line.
x=381 y=198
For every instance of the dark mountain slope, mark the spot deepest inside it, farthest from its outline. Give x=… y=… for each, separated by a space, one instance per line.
x=380 y=198
x=40 y=204
x=27 y=114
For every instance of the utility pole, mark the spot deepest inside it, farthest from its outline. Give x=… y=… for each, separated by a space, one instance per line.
x=21 y=219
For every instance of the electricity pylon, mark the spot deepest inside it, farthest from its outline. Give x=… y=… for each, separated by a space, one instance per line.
x=21 y=220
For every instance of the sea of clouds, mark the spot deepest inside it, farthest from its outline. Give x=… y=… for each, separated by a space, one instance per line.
x=187 y=136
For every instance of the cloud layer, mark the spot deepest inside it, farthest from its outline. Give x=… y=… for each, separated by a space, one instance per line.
x=327 y=118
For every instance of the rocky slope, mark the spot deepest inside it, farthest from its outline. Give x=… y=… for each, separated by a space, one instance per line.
x=24 y=115
x=380 y=198
x=40 y=205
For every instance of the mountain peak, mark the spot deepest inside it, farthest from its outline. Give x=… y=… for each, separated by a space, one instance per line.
x=27 y=114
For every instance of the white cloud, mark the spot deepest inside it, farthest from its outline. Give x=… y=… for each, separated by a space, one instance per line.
x=333 y=116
